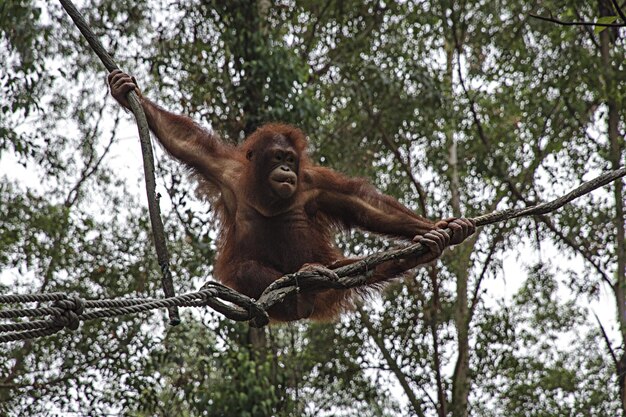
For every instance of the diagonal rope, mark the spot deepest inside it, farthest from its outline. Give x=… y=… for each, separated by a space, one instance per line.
x=68 y=311
x=160 y=242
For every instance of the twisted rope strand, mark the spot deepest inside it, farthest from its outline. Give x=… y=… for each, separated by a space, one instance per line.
x=69 y=311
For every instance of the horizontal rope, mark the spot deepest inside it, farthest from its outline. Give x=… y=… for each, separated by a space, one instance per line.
x=68 y=311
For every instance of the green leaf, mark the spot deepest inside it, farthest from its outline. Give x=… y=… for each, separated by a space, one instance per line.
x=605 y=20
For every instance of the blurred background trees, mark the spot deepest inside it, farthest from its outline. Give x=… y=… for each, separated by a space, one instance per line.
x=452 y=107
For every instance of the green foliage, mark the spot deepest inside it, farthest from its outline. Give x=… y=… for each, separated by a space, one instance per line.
x=529 y=378
x=24 y=42
x=606 y=20
x=384 y=90
x=244 y=72
x=188 y=374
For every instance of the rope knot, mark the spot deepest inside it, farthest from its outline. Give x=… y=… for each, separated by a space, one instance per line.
x=72 y=308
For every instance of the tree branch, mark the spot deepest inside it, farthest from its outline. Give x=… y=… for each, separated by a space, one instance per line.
x=563 y=23
x=514 y=190
x=619 y=10
x=607 y=341
x=238 y=306
x=416 y=404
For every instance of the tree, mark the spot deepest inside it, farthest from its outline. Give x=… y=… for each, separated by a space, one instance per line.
x=452 y=107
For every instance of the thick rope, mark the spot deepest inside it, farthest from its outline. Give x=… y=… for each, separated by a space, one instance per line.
x=353 y=275
x=356 y=274
x=160 y=243
x=67 y=311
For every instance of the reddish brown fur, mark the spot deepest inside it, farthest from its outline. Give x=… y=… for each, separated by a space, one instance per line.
x=266 y=233
x=286 y=244
x=259 y=139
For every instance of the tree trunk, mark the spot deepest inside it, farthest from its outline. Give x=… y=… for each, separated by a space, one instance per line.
x=615 y=151
x=460 y=377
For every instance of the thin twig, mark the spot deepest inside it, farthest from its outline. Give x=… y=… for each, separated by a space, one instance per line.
x=510 y=183
x=619 y=10
x=563 y=23
x=492 y=251
x=607 y=340
x=415 y=402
